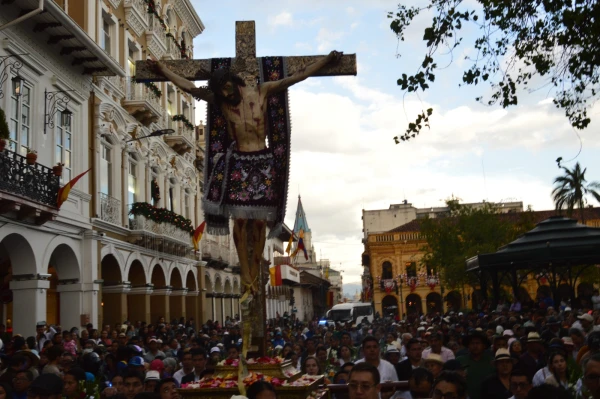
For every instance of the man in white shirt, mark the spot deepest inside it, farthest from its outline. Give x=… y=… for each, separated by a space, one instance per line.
x=387 y=371
x=435 y=346
x=188 y=366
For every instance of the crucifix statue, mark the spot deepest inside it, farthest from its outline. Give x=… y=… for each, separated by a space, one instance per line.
x=245 y=179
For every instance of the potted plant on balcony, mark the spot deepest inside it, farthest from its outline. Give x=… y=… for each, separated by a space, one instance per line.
x=31 y=156
x=58 y=169
x=4 y=131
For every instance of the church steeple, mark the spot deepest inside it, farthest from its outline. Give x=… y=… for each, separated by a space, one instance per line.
x=300 y=223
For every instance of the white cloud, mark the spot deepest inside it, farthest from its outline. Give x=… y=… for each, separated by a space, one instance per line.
x=326 y=39
x=282 y=19
x=344 y=159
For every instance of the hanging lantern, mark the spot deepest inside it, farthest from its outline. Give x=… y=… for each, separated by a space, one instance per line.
x=17 y=85
x=65 y=118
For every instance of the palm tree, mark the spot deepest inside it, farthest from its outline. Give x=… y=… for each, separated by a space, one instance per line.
x=571 y=189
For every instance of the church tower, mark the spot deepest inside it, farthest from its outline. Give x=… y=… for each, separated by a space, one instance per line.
x=301 y=224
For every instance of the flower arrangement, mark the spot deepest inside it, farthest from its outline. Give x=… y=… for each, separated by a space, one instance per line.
x=154 y=89
x=231 y=381
x=161 y=215
x=182 y=118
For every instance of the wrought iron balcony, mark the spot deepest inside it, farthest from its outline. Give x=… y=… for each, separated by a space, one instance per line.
x=162 y=237
x=110 y=209
x=27 y=191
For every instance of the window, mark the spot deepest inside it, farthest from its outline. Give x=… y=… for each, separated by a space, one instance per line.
x=64 y=147
x=106 y=31
x=170 y=107
x=171 y=196
x=186 y=205
x=106 y=170
x=154 y=188
x=20 y=121
x=132 y=181
x=386 y=272
x=411 y=269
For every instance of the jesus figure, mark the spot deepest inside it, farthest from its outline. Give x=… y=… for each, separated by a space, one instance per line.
x=242 y=181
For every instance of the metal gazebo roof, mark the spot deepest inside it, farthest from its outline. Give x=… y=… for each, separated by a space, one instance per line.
x=556 y=241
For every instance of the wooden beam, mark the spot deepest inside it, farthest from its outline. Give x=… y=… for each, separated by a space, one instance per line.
x=59 y=38
x=70 y=50
x=83 y=60
x=42 y=26
x=197 y=69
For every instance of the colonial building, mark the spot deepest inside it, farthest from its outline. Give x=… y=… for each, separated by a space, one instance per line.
x=382 y=220
x=49 y=63
x=394 y=275
x=146 y=190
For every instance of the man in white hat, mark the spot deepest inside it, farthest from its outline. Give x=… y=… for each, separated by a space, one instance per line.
x=532 y=360
x=497 y=386
x=434 y=363
x=585 y=323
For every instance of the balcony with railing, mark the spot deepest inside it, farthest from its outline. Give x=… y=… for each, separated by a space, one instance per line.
x=218 y=255
x=156 y=38
x=167 y=232
x=173 y=52
x=182 y=140
x=28 y=191
x=110 y=209
x=136 y=15
x=142 y=104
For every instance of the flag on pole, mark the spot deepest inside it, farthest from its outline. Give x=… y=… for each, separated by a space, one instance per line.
x=289 y=246
x=275 y=273
x=63 y=192
x=198 y=235
x=300 y=247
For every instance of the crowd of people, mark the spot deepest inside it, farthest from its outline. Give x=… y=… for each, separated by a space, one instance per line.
x=498 y=354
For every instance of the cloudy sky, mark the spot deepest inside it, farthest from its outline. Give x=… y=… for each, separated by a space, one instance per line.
x=343 y=156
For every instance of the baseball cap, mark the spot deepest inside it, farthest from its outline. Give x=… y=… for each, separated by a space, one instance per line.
x=586 y=317
x=152 y=375
x=157 y=365
x=136 y=361
x=215 y=349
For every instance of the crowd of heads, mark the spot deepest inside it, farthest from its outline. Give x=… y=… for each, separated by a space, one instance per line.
x=500 y=354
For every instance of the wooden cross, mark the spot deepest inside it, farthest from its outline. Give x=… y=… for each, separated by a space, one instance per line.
x=244 y=63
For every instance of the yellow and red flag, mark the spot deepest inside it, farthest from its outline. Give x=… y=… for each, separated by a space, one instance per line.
x=198 y=235
x=275 y=273
x=289 y=246
x=63 y=192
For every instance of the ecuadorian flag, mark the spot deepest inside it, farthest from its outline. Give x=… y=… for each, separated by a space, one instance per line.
x=63 y=192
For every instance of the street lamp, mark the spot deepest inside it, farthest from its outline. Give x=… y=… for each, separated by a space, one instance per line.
x=50 y=108
x=156 y=133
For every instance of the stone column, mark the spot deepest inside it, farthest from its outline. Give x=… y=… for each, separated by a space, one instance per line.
x=114 y=299
x=74 y=303
x=29 y=305
x=177 y=303
x=138 y=304
x=159 y=304
x=192 y=306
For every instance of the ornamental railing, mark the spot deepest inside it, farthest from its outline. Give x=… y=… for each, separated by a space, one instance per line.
x=36 y=182
x=110 y=209
x=140 y=222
